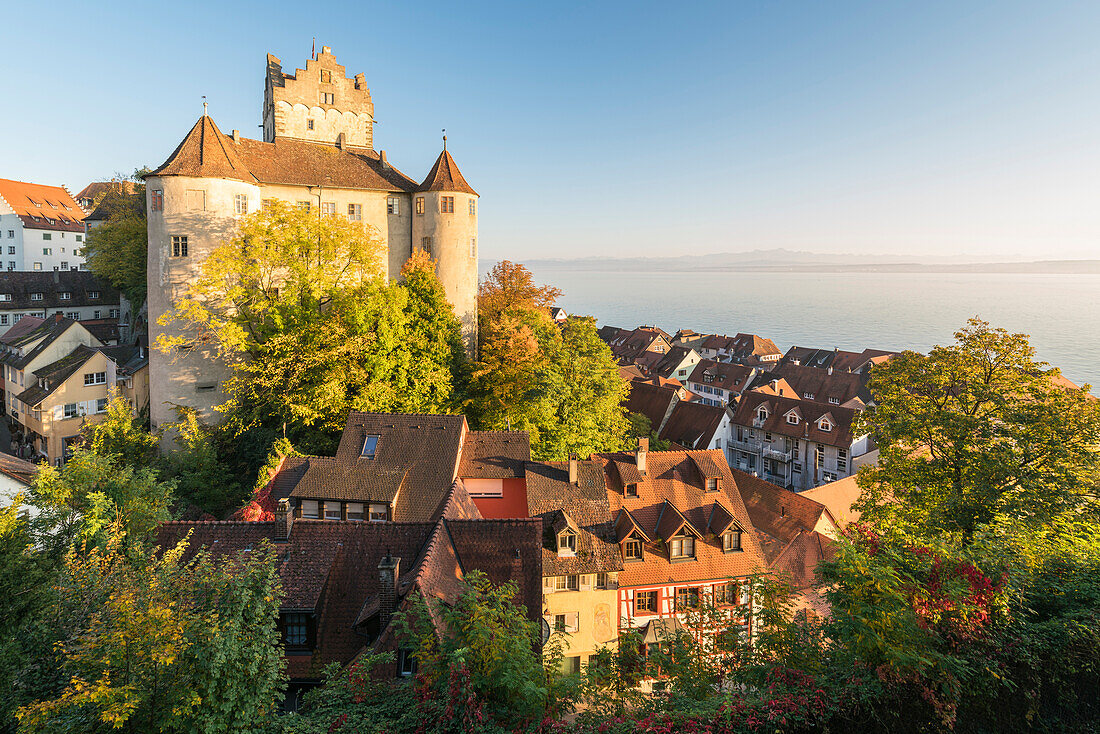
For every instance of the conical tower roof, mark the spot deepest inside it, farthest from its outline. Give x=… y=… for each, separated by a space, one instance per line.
x=205 y=153
x=445 y=176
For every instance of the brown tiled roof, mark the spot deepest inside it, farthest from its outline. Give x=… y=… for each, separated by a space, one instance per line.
x=78 y=284
x=21 y=328
x=840 y=385
x=206 y=153
x=98 y=188
x=445 y=176
x=807 y=426
x=55 y=374
x=651 y=401
x=494 y=454
x=728 y=376
x=414 y=466
x=838 y=359
x=673 y=477
x=549 y=494
x=18 y=469
x=505 y=550
x=692 y=424
x=798 y=561
x=42 y=207
x=776 y=512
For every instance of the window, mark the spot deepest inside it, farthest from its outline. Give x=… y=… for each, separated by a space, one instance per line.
x=683 y=547
x=326 y=76
x=687 y=598
x=566 y=583
x=11 y=266
x=420 y=205
x=97 y=314
x=328 y=209
x=645 y=602
x=825 y=425
x=328 y=98
x=632 y=550
x=725 y=595
x=65 y=295
x=70 y=410
x=303 y=205
x=355 y=511
x=820 y=457
x=473 y=207
x=842 y=460
x=767 y=436
x=631 y=490
x=267 y=204
x=296 y=629
x=473 y=247
x=426 y=245
x=792 y=418
x=38 y=266
x=603 y=580
x=157 y=200
x=712 y=484
x=567 y=543
x=240 y=204
x=5 y=296
x=95 y=378
x=447 y=204
x=11 y=233
x=571 y=664
x=101 y=405
x=64 y=265
x=567 y=622
x=3 y=319
x=731 y=541
x=310 y=509
x=393 y=205
x=47 y=250
x=93 y=294
x=114 y=313
x=46 y=236
x=206 y=387
x=332 y=510
x=370 y=443
x=11 y=249
x=379 y=513
x=355 y=212
x=179 y=245
x=309 y=124
x=762 y=414
x=406 y=663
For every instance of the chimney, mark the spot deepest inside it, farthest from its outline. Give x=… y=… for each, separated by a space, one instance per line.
x=236 y=135
x=57 y=317
x=340 y=143
x=640 y=455
x=56 y=276
x=382 y=158
x=572 y=468
x=326 y=50
x=284 y=518
x=388 y=571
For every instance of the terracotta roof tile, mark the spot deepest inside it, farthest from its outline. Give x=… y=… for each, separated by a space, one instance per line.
x=777 y=512
x=206 y=153
x=807 y=427
x=494 y=454
x=42 y=207
x=652 y=401
x=445 y=176
x=692 y=424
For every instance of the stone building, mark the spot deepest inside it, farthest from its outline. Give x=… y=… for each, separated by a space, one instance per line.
x=318 y=154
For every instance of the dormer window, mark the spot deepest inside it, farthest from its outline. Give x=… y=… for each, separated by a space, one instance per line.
x=808 y=395
x=567 y=543
x=370 y=443
x=792 y=418
x=64 y=295
x=631 y=490
x=731 y=541
x=834 y=401
x=712 y=484
x=681 y=547
x=36 y=296
x=632 y=550
x=825 y=425
x=762 y=414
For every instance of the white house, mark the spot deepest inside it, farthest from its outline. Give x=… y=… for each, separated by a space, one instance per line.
x=41 y=227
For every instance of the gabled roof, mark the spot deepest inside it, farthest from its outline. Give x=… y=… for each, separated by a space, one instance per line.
x=96 y=189
x=693 y=424
x=494 y=454
x=21 y=328
x=650 y=400
x=582 y=507
x=445 y=176
x=734 y=377
x=48 y=332
x=78 y=284
x=18 y=469
x=626 y=525
x=671 y=522
x=206 y=153
x=720 y=519
x=42 y=207
x=779 y=514
x=838 y=497
x=673 y=491
x=55 y=375
x=842 y=418
x=841 y=386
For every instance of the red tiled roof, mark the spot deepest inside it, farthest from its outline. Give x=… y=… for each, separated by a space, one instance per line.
x=692 y=424
x=42 y=207
x=673 y=477
x=807 y=426
x=445 y=176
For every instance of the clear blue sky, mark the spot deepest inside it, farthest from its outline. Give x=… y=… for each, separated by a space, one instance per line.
x=911 y=128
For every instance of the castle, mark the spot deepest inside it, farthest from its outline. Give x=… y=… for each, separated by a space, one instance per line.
x=317 y=153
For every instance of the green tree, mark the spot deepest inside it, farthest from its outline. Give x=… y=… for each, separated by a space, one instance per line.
x=560 y=384
x=977 y=430
x=153 y=644
x=202 y=478
x=122 y=435
x=117 y=249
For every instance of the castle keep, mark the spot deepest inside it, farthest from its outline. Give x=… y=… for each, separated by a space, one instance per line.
x=317 y=153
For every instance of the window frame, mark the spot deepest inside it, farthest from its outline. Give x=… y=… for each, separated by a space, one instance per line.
x=633 y=543
x=652 y=602
x=179 y=245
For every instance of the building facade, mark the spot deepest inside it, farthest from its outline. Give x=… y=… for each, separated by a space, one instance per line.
x=317 y=154
x=41 y=228
x=76 y=294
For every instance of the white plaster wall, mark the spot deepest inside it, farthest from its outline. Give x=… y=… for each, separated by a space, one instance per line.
x=11 y=239
x=63 y=247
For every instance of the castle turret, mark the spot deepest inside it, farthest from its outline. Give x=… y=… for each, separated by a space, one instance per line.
x=445 y=227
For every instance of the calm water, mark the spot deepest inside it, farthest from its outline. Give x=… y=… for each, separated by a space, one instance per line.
x=852 y=310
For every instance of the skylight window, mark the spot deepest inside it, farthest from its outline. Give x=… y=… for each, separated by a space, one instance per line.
x=370 y=443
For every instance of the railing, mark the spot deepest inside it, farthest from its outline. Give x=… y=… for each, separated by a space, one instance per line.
x=751 y=446
x=782 y=481
x=783 y=456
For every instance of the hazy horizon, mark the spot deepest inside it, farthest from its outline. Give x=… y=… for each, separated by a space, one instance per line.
x=920 y=130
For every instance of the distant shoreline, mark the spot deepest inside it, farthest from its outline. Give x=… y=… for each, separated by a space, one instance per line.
x=666 y=265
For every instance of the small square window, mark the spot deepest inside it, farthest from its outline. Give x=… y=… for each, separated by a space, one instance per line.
x=93 y=294
x=309 y=124
x=328 y=98
x=447 y=204
x=296 y=629
x=712 y=484
x=179 y=245
x=683 y=547
x=303 y=205
x=11 y=249
x=65 y=295
x=70 y=410
x=379 y=513
x=332 y=510
x=731 y=541
x=64 y=265
x=473 y=247
x=47 y=236
x=101 y=405
x=47 y=251
x=426 y=245
x=355 y=511
x=36 y=296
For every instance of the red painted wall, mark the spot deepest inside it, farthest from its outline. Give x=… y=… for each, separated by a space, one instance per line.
x=512 y=504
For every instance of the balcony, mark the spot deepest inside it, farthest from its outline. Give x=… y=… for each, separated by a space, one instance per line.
x=778 y=479
x=753 y=447
x=783 y=456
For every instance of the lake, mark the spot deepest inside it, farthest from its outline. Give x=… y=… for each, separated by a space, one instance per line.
x=851 y=310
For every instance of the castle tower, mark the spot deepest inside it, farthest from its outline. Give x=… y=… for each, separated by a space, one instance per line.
x=445 y=226
x=318 y=103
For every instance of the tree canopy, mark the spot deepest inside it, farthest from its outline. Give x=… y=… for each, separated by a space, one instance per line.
x=117 y=248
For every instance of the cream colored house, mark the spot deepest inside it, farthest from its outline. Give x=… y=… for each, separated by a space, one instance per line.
x=59 y=377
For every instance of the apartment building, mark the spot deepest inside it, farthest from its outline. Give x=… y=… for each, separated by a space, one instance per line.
x=41 y=227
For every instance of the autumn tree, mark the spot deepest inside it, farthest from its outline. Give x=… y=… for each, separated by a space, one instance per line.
x=116 y=250
x=979 y=430
x=122 y=435
x=559 y=383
